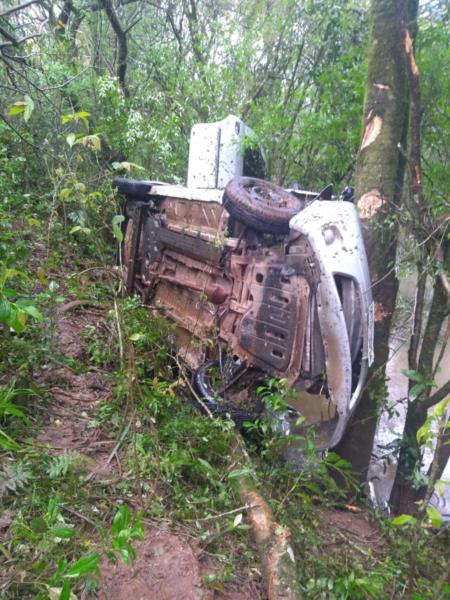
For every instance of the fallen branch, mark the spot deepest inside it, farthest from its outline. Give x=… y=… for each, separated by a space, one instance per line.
x=63 y=308
x=272 y=539
x=227 y=513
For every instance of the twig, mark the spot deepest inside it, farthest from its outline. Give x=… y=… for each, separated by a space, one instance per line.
x=111 y=456
x=228 y=512
x=119 y=443
x=63 y=308
x=79 y=515
x=19 y=134
x=13 y=9
x=353 y=545
x=194 y=393
x=119 y=332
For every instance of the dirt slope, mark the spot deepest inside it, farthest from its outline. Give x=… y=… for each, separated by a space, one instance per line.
x=169 y=566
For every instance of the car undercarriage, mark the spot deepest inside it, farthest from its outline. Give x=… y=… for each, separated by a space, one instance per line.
x=254 y=297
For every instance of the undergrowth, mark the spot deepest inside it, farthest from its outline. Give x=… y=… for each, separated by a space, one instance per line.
x=176 y=469
x=58 y=522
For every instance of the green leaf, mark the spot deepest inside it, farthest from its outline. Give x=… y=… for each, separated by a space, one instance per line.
x=413 y=375
x=83 y=566
x=137 y=531
x=65 y=591
x=403 y=520
x=80 y=115
x=29 y=107
x=245 y=472
x=33 y=312
x=17 y=319
x=121 y=519
x=5 y=309
x=17 y=108
x=117 y=232
x=206 y=466
x=134 y=337
x=127 y=554
x=30 y=309
x=434 y=515
x=7 y=442
x=81 y=229
x=65 y=533
x=416 y=390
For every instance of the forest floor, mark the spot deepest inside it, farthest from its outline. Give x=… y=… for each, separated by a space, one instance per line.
x=170 y=563
x=101 y=437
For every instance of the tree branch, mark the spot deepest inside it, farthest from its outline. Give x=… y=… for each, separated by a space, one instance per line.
x=436 y=317
x=417 y=318
x=21 y=41
x=19 y=134
x=14 y=9
x=8 y=36
x=121 y=41
x=437 y=397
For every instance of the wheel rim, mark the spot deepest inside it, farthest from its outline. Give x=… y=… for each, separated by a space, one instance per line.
x=269 y=196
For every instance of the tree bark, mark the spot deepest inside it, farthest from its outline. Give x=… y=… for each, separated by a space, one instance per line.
x=379 y=178
x=272 y=539
x=121 y=43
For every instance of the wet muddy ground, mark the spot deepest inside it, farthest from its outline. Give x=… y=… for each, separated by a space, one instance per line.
x=169 y=563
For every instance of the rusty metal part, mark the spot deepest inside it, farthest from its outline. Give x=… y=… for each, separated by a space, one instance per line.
x=214 y=293
x=263 y=294
x=276 y=318
x=197 y=217
x=255 y=294
x=131 y=247
x=190 y=246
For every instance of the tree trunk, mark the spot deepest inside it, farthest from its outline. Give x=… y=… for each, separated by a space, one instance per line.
x=122 y=44
x=403 y=497
x=379 y=177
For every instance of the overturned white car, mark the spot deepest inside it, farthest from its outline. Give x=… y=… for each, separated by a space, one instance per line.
x=259 y=281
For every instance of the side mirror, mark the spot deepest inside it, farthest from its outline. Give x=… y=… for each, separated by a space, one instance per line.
x=326 y=193
x=348 y=194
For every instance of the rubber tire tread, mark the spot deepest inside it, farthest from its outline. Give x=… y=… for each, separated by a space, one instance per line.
x=263 y=218
x=134 y=188
x=206 y=393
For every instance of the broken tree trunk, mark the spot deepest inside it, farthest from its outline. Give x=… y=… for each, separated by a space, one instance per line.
x=272 y=539
x=378 y=178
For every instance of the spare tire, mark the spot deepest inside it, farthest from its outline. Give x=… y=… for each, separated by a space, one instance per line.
x=260 y=204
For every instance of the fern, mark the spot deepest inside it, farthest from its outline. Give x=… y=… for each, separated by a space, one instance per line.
x=60 y=465
x=13 y=477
